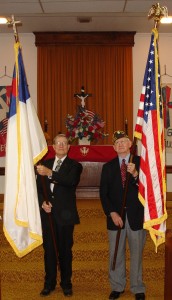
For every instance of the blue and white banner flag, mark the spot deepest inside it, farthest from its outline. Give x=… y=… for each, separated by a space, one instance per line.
x=26 y=145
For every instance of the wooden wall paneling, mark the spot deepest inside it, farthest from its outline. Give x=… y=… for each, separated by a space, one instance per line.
x=85 y=38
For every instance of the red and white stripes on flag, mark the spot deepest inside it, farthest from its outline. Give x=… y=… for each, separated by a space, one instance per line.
x=5 y=92
x=4 y=122
x=150 y=130
x=90 y=113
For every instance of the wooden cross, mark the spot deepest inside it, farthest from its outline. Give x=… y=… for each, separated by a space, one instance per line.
x=82 y=96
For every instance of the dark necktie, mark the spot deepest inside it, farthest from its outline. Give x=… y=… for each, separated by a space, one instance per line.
x=123 y=171
x=59 y=162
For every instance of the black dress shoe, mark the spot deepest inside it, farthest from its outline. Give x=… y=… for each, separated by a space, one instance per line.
x=67 y=292
x=46 y=291
x=115 y=295
x=140 y=296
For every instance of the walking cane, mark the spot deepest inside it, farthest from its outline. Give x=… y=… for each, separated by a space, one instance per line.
x=133 y=150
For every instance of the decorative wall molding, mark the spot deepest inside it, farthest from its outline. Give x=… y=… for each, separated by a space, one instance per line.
x=84 y=38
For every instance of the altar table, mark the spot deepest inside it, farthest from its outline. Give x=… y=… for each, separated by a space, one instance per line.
x=87 y=153
x=92 y=158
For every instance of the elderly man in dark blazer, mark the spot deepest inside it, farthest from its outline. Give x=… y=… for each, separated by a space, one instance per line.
x=131 y=223
x=61 y=177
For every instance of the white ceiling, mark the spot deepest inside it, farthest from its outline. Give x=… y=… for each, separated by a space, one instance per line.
x=56 y=15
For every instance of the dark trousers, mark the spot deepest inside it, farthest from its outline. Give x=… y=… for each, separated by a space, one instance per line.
x=63 y=236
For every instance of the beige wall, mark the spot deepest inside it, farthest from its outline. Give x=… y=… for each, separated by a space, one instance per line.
x=140 y=53
x=29 y=52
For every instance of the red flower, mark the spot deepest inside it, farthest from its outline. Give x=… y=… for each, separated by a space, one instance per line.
x=90 y=128
x=87 y=123
x=96 y=135
x=75 y=123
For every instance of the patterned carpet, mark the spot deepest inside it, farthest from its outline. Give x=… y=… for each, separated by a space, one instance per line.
x=22 y=279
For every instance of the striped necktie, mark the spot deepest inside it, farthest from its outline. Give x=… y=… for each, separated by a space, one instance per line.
x=123 y=171
x=59 y=162
x=57 y=168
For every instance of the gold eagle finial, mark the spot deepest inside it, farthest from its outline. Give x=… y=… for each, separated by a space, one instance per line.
x=157 y=12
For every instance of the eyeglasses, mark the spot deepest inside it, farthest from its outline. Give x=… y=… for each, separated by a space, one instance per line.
x=61 y=143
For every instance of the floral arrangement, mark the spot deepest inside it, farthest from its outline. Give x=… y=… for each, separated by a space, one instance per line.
x=85 y=124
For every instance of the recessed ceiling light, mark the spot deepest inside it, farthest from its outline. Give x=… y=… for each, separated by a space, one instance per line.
x=3 y=20
x=166 y=20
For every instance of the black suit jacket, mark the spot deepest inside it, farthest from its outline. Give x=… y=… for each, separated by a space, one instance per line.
x=63 y=197
x=111 y=194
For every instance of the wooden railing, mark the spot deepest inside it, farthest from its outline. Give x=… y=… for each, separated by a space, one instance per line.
x=168 y=170
x=90 y=180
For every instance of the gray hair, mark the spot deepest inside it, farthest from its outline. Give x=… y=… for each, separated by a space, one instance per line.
x=60 y=135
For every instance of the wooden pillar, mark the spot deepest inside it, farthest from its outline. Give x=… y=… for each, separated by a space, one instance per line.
x=168 y=266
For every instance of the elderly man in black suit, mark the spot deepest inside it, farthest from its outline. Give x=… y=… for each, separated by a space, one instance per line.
x=112 y=187
x=61 y=177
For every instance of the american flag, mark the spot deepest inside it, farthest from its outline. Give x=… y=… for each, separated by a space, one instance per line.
x=3 y=126
x=87 y=112
x=150 y=130
x=90 y=113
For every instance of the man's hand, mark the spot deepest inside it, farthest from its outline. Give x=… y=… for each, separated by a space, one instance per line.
x=46 y=206
x=44 y=171
x=116 y=219
x=131 y=168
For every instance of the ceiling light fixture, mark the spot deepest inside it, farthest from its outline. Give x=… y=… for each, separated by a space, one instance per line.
x=166 y=20
x=3 y=20
x=11 y=22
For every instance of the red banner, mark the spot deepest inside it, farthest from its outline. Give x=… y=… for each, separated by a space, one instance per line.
x=99 y=153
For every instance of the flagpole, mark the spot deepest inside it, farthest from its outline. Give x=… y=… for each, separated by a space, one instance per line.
x=50 y=218
x=156 y=12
